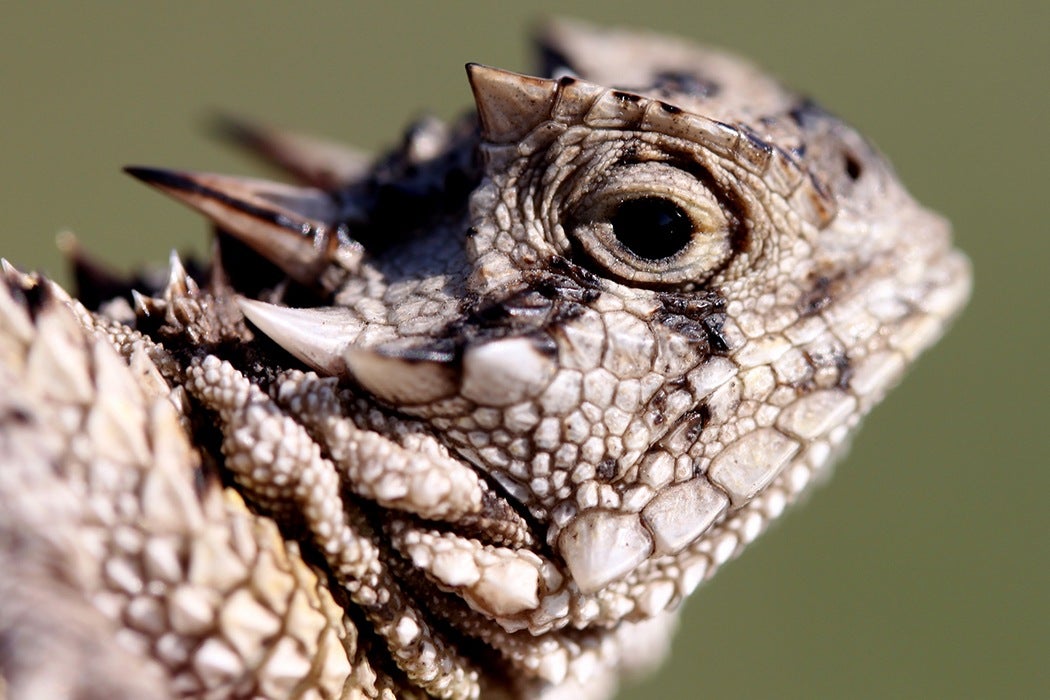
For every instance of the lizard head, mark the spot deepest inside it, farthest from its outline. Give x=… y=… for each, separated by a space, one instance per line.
x=648 y=296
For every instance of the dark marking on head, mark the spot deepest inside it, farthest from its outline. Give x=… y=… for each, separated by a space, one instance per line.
x=657 y=407
x=826 y=369
x=674 y=82
x=821 y=198
x=703 y=412
x=685 y=82
x=625 y=96
x=845 y=368
x=713 y=325
x=692 y=427
x=852 y=166
x=670 y=109
x=755 y=140
x=403 y=195
x=12 y=415
x=566 y=80
x=546 y=302
x=567 y=280
x=816 y=298
x=606 y=471
x=807 y=112
x=699 y=317
x=250 y=273
x=757 y=143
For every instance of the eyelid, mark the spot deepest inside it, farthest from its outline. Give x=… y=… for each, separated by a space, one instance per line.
x=590 y=227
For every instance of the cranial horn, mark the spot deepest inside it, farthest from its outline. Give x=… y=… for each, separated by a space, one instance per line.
x=510 y=105
x=290 y=226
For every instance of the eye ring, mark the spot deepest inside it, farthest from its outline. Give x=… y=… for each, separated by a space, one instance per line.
x=651 y=224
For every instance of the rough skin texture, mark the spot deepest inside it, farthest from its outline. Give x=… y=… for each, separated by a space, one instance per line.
x=469 y=419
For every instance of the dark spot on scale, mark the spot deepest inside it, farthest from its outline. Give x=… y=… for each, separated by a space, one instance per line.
x=15 y=415
x=658 y=407
x=853 y=167
x=669 y=108
x=625 y=96
x=697 y=317
x=202 y=479
x=806 y=112
x=713 y=325
x=845 y=368
x=685 y=82
x=566 y=81
x=703 y=412
x=757 y=142
x=816 y=298
x=819 y=186
x=606 y=470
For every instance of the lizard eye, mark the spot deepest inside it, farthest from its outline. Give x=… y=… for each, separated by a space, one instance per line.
x=653 y=224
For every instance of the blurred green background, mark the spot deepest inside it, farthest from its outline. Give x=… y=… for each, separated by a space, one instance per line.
x=921 y=570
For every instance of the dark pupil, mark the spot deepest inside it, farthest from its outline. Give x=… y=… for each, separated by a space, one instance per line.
x=651 y=227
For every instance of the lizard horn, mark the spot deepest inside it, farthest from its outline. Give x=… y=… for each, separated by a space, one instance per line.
x=510 y=105
x=323 y=338
x=319 y=337
x=316 y=162
x=289 y=226
x=404 y=377
x=491 y=373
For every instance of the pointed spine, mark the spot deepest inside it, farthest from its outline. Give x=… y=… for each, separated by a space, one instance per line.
x=317 y=162
x=292 y=227
x=510 y=105
x=317 y=337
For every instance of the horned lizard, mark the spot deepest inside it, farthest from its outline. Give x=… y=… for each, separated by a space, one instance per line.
x=471 y=418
